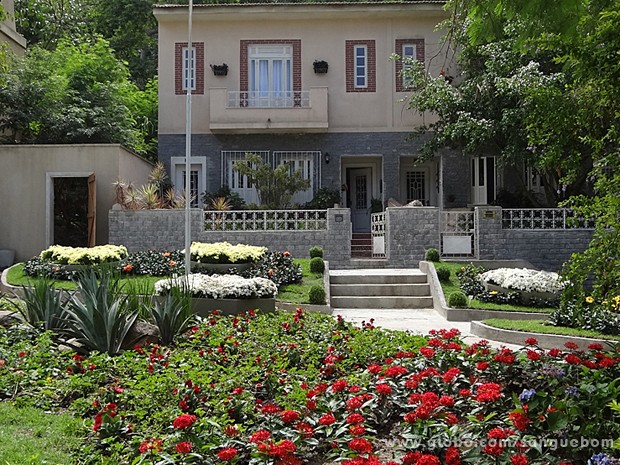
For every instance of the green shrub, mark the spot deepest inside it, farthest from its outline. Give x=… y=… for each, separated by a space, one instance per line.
x=443 y=273
x=324 y=198
x=316 y=251
x=317 y=265
x=317 y=295
x=42 y=305
x=277 y=266
x=172 y=313
x=458 y=300
x=432 y=255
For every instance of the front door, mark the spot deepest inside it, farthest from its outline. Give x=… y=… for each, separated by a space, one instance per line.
x=483 y=180
x=360 y=195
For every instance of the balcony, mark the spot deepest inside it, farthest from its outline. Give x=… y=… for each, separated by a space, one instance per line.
x=268 y=112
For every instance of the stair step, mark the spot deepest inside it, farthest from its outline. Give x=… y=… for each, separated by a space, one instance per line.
x=360 y=242
x=376 y=276
x=376 y=290
x=381 y=302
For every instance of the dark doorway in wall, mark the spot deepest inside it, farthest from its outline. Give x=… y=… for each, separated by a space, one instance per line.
x=72 y=215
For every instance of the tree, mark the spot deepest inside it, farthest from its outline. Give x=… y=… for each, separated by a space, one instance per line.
x=78 y=93
x=276 y=186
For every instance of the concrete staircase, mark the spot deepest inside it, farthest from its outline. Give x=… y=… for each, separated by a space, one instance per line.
x=361 y=245
x=379 y=289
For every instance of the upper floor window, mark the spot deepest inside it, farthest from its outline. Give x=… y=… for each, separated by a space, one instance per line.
x=408 y=50
x=270 y=76
x=189 y=68
x=360 y=65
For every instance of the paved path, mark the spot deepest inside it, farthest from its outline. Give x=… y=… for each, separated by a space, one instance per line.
x=418 y=321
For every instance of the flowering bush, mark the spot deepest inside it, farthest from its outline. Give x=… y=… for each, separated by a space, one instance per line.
x=307 y=388
x=83 y=255
x=219 y=286
x=223 y=252
x=276 y=266
x=154 y=263
x=524 y=279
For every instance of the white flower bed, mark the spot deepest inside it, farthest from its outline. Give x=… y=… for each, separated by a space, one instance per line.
x=220 y=286
x=524 y=279
x=223 y=252
x=83 y=255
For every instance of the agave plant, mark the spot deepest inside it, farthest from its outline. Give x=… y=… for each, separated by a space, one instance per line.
x=173 y=199
x=97 y=316
x=42 y=306
x=221 y=204
x=150 y=196
x=172 y=313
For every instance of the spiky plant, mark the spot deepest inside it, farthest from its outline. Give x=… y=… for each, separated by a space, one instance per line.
x=149 y=194
x=221 y=204
x=42 y=305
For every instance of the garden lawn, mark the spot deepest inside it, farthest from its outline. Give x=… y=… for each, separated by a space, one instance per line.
x=298 y=293
x=29 y=436
x=539 y=326
x=452 y=286
x=305 y=388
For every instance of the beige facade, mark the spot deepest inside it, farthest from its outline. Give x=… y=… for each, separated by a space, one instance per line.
x=8 y=33
x=27 y=177
x=322 y=31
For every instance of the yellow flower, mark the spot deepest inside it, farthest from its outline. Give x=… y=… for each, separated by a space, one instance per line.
x=589 y=299
x=493 y=292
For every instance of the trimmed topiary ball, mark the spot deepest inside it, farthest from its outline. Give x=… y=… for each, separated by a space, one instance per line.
x=317 y=265
x=443 y=273
x=317 y=295
x=458 y=300
x=316 y=251
x=432 y=255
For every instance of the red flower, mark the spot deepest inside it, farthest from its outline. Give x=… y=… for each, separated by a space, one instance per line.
x=231 y=431
x=427 y=352
x=449 y=375
x=488 y=392
x=375 y=369
x=360 y=445
x=497 y=433
x=572 y=359
x=493 y=449
x=184 y=421
x=286 y=253
x=519 y=459
x=394 y=371
x=595 y=346
x=453 y=456
x=357 y=430
x=183 y=447
x=411 y=458
x=339 y=385
x=305 y=429
x=128 y=268
x=555 y=352
x=410 y=417
x=289 y=416
x=355 y=418
x=428 y=459
x=151 y=444
x=384 y=389
x=237 y=391
x=270 y=409
x=520 y=420
x=482 y=365
x=571 y=345
x=260 y=436
x=327 y=419
x=446 y=401
x=533 y=355
x=531 y=341
x=227 y=454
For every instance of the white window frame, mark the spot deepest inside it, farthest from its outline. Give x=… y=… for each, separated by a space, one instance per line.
x=407 y=59
x=360 y=71
x=277 y=91
x=189 y=69
x=198 y=165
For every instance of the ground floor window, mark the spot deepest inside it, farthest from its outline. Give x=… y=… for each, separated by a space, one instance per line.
x=306 y=162
x=415 y=186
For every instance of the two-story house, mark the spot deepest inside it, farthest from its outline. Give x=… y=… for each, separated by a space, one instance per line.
x=8 y=33
x=345 y=126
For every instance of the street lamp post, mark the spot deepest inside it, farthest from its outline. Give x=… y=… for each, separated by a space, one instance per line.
x=188 y=139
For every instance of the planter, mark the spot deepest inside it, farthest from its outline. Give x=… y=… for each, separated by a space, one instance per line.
x=203 y=307
x=220 y=70
x=526 y=297
x=219 y=268
x=7 y=256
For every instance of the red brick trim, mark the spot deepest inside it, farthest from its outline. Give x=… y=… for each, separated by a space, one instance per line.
x=350 y=66
x=398 y=49
x=200 y=68
x=243 y=60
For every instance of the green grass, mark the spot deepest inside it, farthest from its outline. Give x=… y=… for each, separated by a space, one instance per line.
x=29 y=436
x=293 y=293
x=540 y=326
x=453 y=285
x=298 y=293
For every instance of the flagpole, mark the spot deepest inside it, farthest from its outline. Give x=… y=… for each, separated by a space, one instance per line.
x=188 y=139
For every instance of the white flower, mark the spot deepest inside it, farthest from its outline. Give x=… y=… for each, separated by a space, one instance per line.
x=523 y=279
x=220 y=286
x=84 y=255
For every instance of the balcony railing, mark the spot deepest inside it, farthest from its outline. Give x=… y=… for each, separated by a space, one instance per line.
x=259 y=99
x=268 y=112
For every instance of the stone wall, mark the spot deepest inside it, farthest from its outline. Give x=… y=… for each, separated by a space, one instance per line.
x=409 y=232
x=165 y=229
